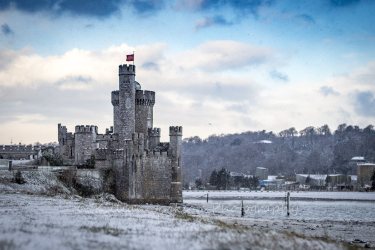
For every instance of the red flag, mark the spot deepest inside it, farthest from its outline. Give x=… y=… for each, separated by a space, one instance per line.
x=130 y=57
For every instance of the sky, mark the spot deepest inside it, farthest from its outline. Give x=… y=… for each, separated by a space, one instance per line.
x=217 y=66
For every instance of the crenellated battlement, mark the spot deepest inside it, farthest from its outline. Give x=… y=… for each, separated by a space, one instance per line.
x=145 y=97
x=175 y=131
x=115 y=98
x=153 y=132
x=106 y=137
x=101 y=153
x=62 y=128
x=109 y=130
x=126 y=69
x=17 y=148
x=119 y=153
x=86 y=129
x=156 y=153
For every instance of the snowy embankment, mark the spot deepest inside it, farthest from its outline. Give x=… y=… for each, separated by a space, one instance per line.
x=296 y=195
x=31 y=220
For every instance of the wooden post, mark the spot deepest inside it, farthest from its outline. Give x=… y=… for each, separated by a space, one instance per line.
x=10 y=165
x=287 y=203
x=242 y=210
x=207 y=197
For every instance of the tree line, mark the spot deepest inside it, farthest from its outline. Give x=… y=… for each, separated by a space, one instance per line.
x=312 y=150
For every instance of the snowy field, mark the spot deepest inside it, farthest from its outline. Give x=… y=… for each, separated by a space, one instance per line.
x=41 y=222
x=315 y=210
x=343 y=216
x=294 y=195
x=44 y=214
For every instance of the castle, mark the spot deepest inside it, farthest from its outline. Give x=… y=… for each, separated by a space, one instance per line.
x=145 y=170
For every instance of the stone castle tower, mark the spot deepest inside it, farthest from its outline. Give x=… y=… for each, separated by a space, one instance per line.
x=145 y=169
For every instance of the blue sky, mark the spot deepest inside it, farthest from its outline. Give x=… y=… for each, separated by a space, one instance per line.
x=216 y=66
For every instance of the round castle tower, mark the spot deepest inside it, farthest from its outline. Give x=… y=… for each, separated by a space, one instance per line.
x=175 y=151
x=124 y=112
x=144 y=107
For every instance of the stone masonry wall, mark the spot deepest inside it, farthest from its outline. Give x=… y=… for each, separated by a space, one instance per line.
x=126 y=114
x=85 y=143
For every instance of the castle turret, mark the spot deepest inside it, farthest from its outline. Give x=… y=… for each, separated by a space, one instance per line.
x=116 y=111
x=144 y=101
x=175 y=150
x=125 y=117
x=153 y=138
x=85 y=142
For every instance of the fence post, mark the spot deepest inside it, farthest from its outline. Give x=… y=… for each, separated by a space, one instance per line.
x=287 y=203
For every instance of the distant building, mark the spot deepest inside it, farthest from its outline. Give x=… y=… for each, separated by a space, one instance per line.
x=336 y=181
x=19 y=152
x=358 y=159
x=262 y=173
x=364 y=173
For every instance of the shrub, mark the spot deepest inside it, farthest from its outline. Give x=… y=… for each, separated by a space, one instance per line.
x=52 y=157
x=18 y=178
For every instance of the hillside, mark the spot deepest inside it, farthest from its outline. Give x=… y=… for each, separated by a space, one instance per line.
x=310 y=151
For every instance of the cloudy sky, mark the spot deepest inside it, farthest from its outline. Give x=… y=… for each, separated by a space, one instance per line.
x=217 y=66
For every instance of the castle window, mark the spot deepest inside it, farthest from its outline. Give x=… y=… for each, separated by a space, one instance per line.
x=149 y=125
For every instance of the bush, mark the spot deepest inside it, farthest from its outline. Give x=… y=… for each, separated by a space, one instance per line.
x=83 y=186
x=18 y=178
x=109 y=185
x=53 y=158
x=89 y=164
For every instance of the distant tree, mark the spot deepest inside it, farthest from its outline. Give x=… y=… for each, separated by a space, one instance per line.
x=324 y=130
x=213 y=178
x=186 y=186
x=308 y=180
x=341 y=127
x=223 y=178
x=254 y=182
x=236 y=142
x=373 y=181
x=198 y=183
x=52 y=157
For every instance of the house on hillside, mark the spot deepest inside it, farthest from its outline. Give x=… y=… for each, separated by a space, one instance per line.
x=262 y=173
x=364 y=174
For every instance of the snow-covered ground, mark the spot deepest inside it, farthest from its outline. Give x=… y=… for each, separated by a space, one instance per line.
x=33 y=217
x=297 y=195
x=40 y=222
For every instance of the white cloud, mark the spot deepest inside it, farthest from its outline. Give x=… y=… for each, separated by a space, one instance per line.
x=224 y=55
x=193 y=89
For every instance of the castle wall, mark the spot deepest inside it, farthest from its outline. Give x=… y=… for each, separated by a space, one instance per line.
x=120 y=167
x=85 y=143
x=143 y=176
x=17 y=152
x=157 y=178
